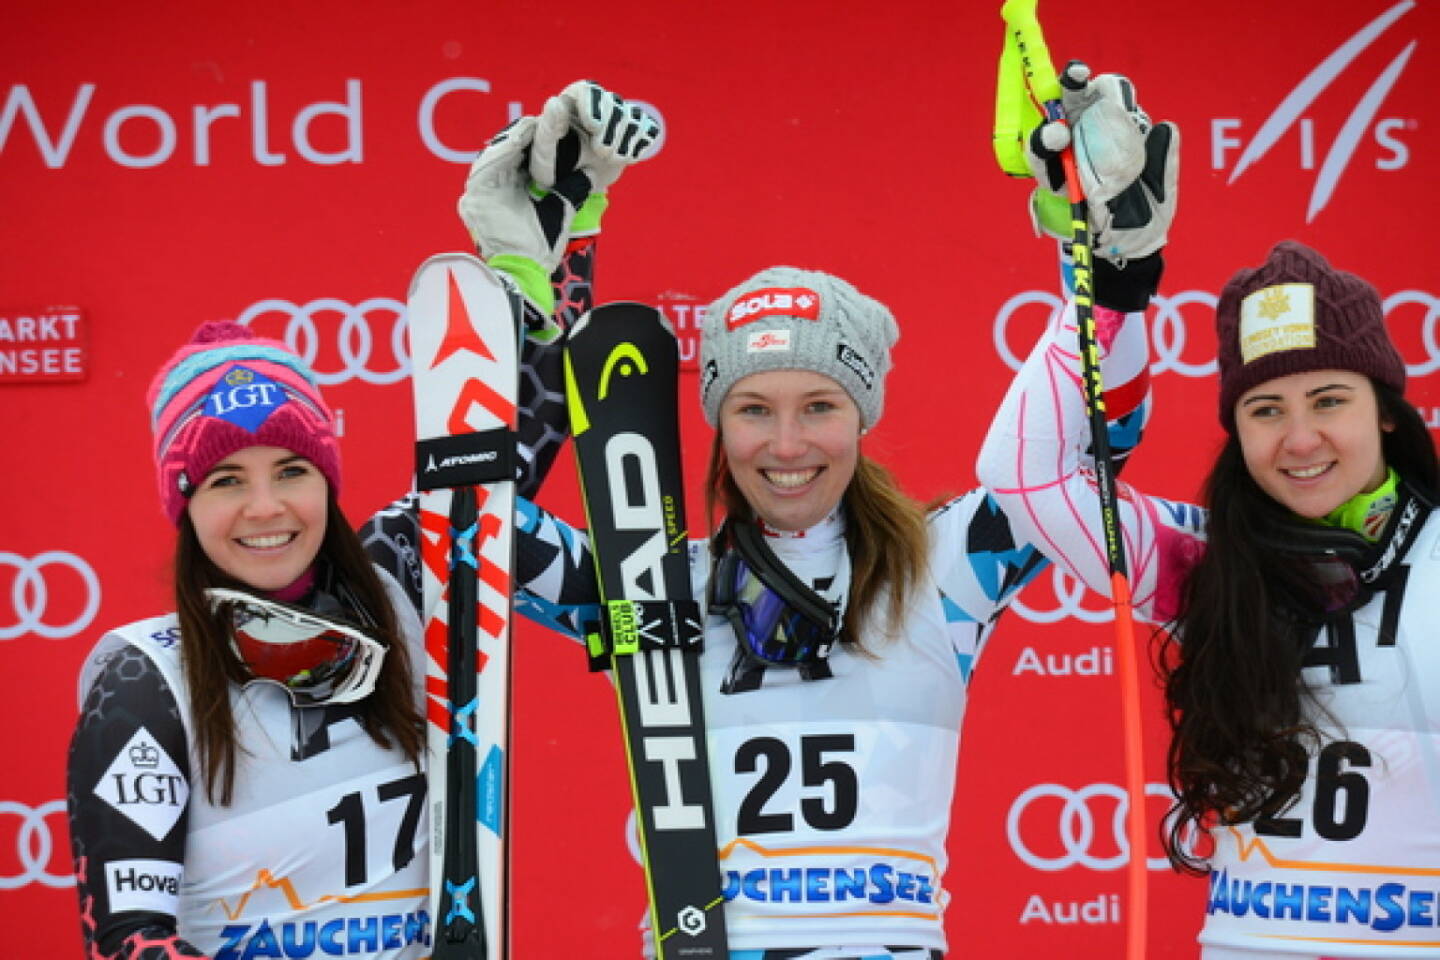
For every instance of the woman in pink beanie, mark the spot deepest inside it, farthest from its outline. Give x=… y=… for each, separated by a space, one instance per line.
x=247 y=773
x=219 y=742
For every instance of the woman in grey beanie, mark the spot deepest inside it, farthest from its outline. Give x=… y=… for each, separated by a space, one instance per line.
x=1305 y=723
x=842 y=622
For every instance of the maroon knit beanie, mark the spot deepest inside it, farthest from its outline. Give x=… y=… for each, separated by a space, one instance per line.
x=1295 y=313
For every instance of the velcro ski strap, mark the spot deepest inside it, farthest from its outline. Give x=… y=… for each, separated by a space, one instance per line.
x=465 y=459
x=653 y=624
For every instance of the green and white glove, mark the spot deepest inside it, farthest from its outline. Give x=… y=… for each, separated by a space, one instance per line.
x=518 y=226
x=595 y=131
x=1128 y=167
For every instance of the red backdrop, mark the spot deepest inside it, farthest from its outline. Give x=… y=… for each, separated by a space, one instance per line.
x=166 y=164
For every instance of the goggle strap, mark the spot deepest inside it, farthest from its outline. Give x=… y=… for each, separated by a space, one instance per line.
x=300 y=616
x=761 y=560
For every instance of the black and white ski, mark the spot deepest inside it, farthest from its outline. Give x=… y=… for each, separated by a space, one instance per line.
x=464 y=326
x=622 y=372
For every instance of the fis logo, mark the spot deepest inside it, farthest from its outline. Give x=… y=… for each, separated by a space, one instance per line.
x=1363 y=121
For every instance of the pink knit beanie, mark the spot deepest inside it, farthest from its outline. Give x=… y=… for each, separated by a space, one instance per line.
x=226 y=390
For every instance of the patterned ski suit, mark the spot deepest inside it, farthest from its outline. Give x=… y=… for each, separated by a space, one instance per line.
x=1353 y=869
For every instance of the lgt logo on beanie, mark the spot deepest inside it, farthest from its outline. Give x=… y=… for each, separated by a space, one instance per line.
x=800 y=302
x=245 y=398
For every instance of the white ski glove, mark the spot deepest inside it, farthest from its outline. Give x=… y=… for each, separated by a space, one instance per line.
x=519 y=227
x=1128 y=167
x=594 y=130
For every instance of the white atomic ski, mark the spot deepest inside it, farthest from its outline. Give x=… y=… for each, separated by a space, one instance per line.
x=464 y=326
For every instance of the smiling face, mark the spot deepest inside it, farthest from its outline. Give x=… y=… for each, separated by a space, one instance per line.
x=791 y=441
x=260 y=516
x=1312 y=440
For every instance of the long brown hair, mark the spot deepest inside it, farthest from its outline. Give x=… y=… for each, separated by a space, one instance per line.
x=885 y=532
x=1240 y=715
x=211 y=666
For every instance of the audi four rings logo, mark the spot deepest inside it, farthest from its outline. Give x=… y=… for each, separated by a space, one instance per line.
x=1087 y=829
x=31 y=595
x=35 y=846
x=354 y=341
x=1431 y=305
x=1169 y=332
x=1070 y=597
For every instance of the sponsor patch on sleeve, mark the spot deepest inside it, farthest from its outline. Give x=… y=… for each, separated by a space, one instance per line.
x=149 y=885
x=144 y=784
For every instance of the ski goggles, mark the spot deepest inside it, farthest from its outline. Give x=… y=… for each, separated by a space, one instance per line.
x=316 y=658
x=776 y=618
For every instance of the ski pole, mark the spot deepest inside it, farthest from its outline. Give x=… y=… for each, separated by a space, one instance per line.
x=1025 y=48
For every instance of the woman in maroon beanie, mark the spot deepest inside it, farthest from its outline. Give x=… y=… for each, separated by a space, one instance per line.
x=1301 y=678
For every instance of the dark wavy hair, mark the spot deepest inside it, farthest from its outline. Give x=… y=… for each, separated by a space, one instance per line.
x=1240 y=715
x=211 y=666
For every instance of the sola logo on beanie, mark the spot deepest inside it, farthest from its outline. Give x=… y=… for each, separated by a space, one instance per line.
x=795 y=302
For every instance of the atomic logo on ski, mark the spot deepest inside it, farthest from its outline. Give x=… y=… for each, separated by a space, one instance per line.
x=464 y=325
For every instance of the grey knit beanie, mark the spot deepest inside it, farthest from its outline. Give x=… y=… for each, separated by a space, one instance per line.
x=785 y=318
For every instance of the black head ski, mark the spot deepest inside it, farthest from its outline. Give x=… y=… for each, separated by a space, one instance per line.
x=622 y=370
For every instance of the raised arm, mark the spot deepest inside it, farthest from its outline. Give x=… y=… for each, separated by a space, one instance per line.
x=533 y=203
x=581 y=143
x=1036 y=460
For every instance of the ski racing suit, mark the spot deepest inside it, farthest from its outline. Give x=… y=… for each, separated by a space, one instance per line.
x=284 y=868
x=323 y=851
x=833 y=795
x=1353 y=868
